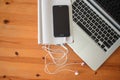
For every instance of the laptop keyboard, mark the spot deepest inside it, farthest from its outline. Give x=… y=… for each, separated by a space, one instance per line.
x=93 y=25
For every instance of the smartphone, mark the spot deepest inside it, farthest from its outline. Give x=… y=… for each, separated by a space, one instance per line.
x=61 y=24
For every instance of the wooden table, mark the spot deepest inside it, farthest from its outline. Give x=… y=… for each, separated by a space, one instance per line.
x=21 y=58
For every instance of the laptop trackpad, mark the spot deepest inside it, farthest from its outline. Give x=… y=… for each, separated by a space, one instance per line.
x=85 y=48
x=79 y=41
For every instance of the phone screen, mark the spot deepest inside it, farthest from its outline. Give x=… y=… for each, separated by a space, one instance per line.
x=61 y=21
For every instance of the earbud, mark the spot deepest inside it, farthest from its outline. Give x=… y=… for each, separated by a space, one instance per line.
x=76 y=73
x=83 y=64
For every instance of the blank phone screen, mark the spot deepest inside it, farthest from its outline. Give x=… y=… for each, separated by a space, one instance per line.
x=61 y=21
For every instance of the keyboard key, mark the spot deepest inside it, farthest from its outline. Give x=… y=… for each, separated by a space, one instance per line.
x=90 y=28
x=85 y=19
x=91 y=24
x=77 y=10
x=94 y=27
x=94 y=17
x=111 y=33
x=75 y=19
x=103 y=35
x=106 y=44
x=106 y=28
x=93 y=21
x=90 y=18
x=84 y=23
x=93 y=37
x=105 y=50
x=78 y=1
x=83 y=16
x=84 y=13
x=104 y=32
x=113 y=40
x=109 y=30
x=83 y=6
x=100 y=32
x=80 y=13
x=96 y=40
x=95 y=33
x=101 y=39
x=97 y=19
x=102 y=46
x=107 y=34
x=87 y=15
x=97 y=30
x=100 y=22
x=110 y=37
x=89 y=11
x=99 y=26
x=79 y=7
x=76 y=14
x=118 y=36
x=81 y=20
x=106 y=38
x=115 y=37
x=102 y=29
x=78 y=17
x=96 y=24
x=75 y=4
x=110 y=42
x=73 y=12
x=73 y=7
x=81 y=10
x=88 y=21
x=86 y=8
x=98 y=36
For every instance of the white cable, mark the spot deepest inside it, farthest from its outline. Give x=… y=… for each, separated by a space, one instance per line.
x=60 y=65
x=51 y=52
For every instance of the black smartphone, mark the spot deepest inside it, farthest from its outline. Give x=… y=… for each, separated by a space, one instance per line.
x=61 y=21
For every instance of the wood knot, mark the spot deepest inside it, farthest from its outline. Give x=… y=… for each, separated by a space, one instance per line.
x=37 y=75
x=95 y=73
x=4 y=76
x=6 y=21
x=43 y=58
x=16 y=53
x=7 y=3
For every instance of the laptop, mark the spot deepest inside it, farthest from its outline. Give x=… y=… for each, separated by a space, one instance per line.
x=96 y=30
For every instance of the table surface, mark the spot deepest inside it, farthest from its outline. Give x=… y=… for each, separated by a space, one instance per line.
x=21 y=58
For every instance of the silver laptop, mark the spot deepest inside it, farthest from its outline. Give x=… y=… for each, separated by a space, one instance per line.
x=96 y=30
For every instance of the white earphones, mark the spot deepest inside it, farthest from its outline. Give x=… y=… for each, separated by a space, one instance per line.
x=76 y=73
x=61 y=65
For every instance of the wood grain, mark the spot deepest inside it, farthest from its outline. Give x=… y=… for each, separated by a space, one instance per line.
x=21 y=58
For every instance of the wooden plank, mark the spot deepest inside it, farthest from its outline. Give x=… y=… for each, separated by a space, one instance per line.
x=21 y=58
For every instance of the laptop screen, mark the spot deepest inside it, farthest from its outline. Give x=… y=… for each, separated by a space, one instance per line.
x=112 y=7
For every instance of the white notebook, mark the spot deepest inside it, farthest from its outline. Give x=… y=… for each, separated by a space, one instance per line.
x=45 y=22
